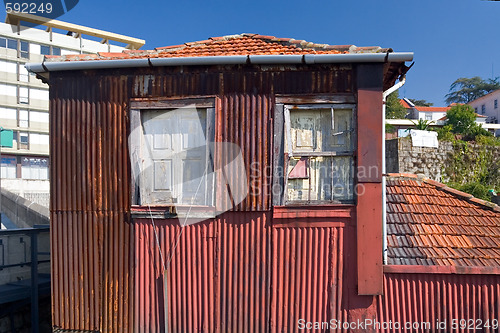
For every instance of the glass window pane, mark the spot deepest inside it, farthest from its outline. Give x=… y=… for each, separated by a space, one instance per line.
x=8 y=167
x=324 y=178
x=12 y=44
x=56 y=51
x=23 y=118
x=23 y=73
x=3 y=42
x=45 y=49
x=24 y=46
x=313 y=130
x=23 y=95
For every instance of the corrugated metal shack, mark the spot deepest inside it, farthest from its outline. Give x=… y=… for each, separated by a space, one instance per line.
x=293 y=249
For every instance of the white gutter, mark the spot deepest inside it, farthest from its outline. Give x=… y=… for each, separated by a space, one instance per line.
x=384 y=183
x=220 y=60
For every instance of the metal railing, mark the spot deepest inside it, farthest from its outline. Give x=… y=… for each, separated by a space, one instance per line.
x=33 y=234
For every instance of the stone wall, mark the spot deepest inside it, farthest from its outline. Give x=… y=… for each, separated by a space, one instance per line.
x=402 y=157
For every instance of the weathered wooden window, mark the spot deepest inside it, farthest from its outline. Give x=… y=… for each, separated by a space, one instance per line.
x=318 y=150
x=174 y=157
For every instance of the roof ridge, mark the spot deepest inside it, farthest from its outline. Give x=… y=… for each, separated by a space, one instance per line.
x=244 y=44
x=299 y=43
x=443 y=187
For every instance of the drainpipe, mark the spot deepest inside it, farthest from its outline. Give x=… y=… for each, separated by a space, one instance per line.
x=384 y=195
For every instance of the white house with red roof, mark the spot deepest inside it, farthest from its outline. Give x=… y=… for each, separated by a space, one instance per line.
x=434 y=114
x=488 y=107
x=431 y=113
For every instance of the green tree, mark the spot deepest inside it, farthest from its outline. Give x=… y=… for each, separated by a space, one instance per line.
x=462 y=120
x=422 y=124
x=465 y=90
x=393 y=108
x=420 y=102
x=461 y=117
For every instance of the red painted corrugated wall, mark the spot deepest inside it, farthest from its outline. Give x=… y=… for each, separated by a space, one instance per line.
x=237 y=273
x=435 y=298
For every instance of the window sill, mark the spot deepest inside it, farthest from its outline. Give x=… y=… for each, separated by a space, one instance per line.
x=172 y=212
x=333 y=215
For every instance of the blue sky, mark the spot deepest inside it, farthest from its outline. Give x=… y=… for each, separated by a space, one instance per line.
x=450 y=39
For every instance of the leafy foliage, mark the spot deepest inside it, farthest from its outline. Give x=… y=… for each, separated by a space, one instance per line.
x=420 y=102
x=390 y=128
x=422 y=124
x=393 y=108
x=473 y=168
x=445 y=133
x=465 y=90
x=462 y=120
x=488 y=140
x=478 y=190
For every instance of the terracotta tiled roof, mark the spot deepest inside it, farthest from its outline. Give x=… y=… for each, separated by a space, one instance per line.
x=243 y=44
x=405 y=104
x=429 y=223
x=432 y=108
x=424 y=108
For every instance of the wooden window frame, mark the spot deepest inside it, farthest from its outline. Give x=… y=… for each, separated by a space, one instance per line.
x=137 y=107
x=282 y=128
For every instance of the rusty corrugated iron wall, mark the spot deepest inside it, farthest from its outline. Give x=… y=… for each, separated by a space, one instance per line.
x=421 y=298
x=107 y=275
x=91 y=240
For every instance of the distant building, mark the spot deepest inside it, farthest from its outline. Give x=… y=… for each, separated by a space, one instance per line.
x=436 y=115
x=24 y=100
x=431 y=113
x=488 y=106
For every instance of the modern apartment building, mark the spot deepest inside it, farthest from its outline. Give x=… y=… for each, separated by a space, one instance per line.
x=24 y=99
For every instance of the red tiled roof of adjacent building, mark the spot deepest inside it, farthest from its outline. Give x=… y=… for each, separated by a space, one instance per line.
x=432 y=108
x=405 y=104
x=243 y=44
x=424 y=108
x=429 y=223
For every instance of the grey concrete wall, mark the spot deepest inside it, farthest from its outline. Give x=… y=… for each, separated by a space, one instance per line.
x=34 y=190
x=23 y=212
